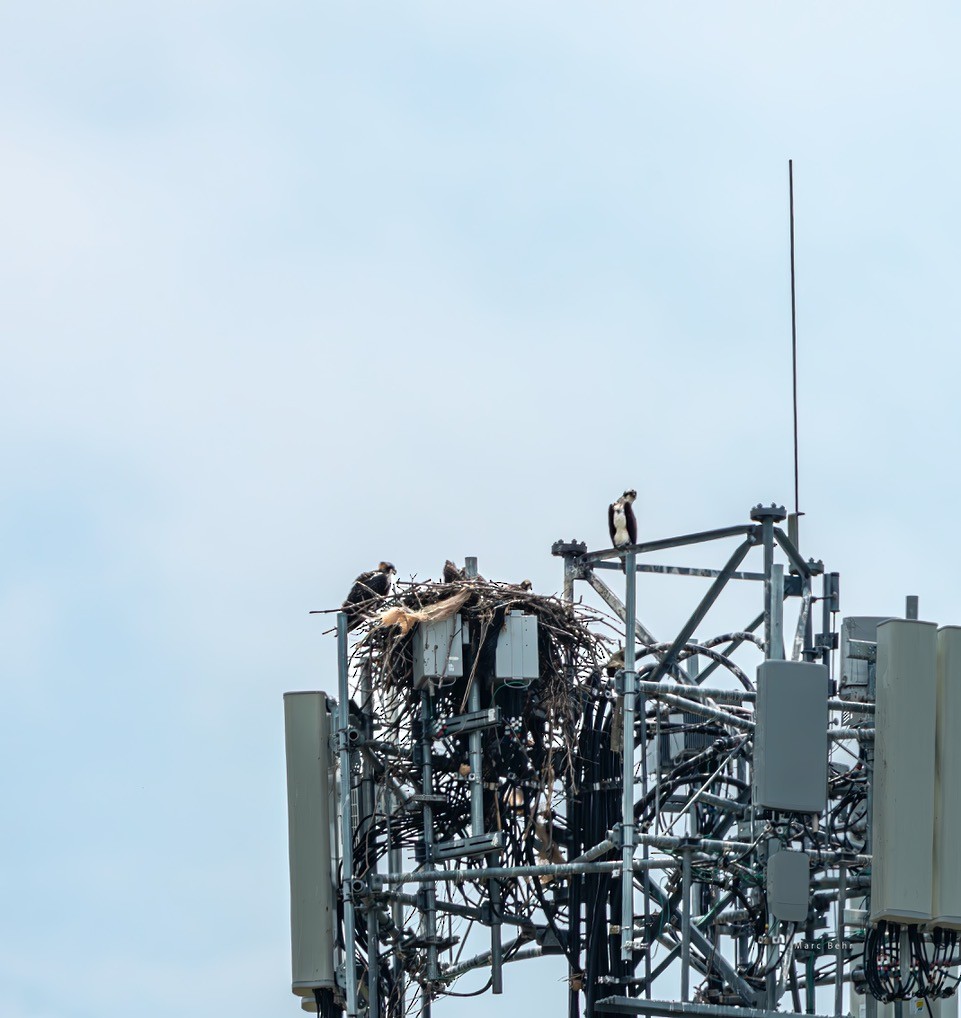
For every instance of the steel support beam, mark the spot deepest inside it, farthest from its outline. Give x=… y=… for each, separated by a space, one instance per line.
x=670 y=542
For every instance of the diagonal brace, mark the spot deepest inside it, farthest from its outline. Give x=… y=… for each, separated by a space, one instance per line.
x=670 y=658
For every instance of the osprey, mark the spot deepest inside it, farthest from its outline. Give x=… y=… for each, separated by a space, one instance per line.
x=621 y=521
x=452 y=574
x=368 y=588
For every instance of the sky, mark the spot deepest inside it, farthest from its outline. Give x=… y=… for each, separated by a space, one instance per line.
x=289 y=288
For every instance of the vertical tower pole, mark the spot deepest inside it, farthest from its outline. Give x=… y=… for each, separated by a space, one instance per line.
x=627 y=801
x=366 y=819
x=428 y=893
x=347 y=834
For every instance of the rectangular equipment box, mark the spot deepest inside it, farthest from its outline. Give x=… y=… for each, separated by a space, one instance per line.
x=946 y=907
x=677 y=742
x=789 y=885
x=903 y=813
x=439 y=652
x=791 y=741
x=853 y=679
x=516 y=660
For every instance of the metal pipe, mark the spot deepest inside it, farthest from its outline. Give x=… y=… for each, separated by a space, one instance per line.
x=602 y=848
x=451 y=972
x=861 y=734
x=645 y=851
x=695 y=571
x=534 y=951
x=686 y=926
x=452 y=908
x=475 y=747
x=870 y=1003
x=802 y=622
x=373 y=962
x=476 y=763
x=497 y=948
x=347 y=836
x=767 y=536
x=792 y=552
x=715 y=845
x=565 y=869
x=658 y=690
x=719 y=802
x=477 y=806
x=671 y=843
x=627 y=760
x=854 y=884
x=570 y=574
x=830 y=590
x=365 y=821
x=839 y=970
x=430 y=914
x=710 y=712
x=679 y=1009
x=395 y=861
x=777 y=612
x=671 y=542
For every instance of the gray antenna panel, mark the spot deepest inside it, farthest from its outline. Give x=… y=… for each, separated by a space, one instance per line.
x=309 y=767
x=903 y=828
x=946 y=907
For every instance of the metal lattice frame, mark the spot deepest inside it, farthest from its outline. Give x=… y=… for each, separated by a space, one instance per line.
x=685 y=831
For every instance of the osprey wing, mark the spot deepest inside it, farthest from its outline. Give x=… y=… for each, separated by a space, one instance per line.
x=631 y=522
x=378 y=584
x=361 y=590
x=610 y=521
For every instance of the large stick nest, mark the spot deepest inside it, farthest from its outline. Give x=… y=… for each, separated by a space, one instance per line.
x=530 y=755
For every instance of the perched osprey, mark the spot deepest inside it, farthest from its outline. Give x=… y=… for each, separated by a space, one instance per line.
x=621 y=521
x=367 y=590
x=452 y=574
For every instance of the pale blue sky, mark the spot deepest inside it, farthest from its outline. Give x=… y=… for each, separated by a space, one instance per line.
x=287 y=288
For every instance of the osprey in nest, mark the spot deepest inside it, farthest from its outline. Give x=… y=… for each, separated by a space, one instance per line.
x=368 y=589
x=452 y=574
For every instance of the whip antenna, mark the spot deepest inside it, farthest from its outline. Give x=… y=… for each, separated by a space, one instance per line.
x=790 y=173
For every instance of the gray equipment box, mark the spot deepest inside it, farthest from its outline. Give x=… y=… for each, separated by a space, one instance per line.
x=678 y=742
x=788 y=886
x=791 y=741
x=439 y=652
x=516 y=660
x=853 y=680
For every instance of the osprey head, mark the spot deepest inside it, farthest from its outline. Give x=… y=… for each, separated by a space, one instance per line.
x=527 y=585
x=386 y=567
x=629 y=496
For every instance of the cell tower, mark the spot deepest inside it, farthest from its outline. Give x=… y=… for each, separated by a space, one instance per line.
x=500 y=778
